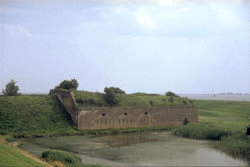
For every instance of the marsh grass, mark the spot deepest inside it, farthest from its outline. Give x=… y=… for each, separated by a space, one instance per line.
x=200 y=131
x=237 y=145
x=226 y=121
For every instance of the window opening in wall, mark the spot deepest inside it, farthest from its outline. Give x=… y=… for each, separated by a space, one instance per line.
x=103 y=114
x=125 y=114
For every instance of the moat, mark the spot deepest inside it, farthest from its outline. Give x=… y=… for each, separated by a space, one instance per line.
x=146 y=149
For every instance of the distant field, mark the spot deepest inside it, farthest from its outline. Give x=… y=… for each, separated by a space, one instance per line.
x=139 y=99
x=226 y=115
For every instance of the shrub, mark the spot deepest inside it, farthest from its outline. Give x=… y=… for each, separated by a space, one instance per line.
x=151 y=103
x=110 y=96
x=88 y=102
x=248 y=130
x=185 y=121
x=66 y=84
x=171 y=94
x=11 y=89
x=115 y=90
x=191 y=101
x=184 y=102
x=62 y=156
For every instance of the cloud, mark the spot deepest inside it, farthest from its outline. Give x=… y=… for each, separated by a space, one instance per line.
x=16 y=30
x=145 y=19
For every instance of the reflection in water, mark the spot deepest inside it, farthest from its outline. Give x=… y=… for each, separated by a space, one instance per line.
x=148 y=149
x=125 y=140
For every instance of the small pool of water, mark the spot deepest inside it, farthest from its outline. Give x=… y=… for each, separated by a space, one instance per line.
x=147 y=149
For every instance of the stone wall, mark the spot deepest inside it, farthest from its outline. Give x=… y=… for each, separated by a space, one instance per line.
x=135 y=117
x=124 y=117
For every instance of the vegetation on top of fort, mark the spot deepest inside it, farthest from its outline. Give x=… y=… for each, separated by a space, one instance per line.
x=85 y=98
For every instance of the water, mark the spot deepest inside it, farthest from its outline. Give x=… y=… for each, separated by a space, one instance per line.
x=228 y=97
x=147 y=149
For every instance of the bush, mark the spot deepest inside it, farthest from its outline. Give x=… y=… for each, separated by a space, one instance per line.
x=89 y=102
x=110 y=96
x=115 y=90
x=11 y=89
x=62 y=156
x=185 y=121
x=66 y=84
x=171 y=94
x=184 y=102
x=248 y=130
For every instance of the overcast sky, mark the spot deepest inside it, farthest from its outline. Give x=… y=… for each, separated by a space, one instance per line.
x=186 y=46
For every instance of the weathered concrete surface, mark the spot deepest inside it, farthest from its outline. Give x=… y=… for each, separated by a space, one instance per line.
x=124 y=117
x=135 y=117
x=67 y=98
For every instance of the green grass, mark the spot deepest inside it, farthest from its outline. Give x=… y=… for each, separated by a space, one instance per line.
x=10 y=157
x=33 y=115
x=138 y=99
x=233 y=116
x=225 y=121
x=200 y=131
x=237 y=145
x=66 y=158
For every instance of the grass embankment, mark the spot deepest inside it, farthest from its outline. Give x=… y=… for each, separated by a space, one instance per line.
x=225 y=121
x=11 y=156
x=33 y=116
x=69 y=159
x=85 y=98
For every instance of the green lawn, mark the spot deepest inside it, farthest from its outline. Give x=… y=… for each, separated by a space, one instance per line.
x=10 y=157
x=233 y=116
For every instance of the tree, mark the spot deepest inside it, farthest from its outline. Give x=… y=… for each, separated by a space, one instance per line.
x=116 y=90
x=11 y=89
x=171 y=94
x=66 y=84
x=111 y=96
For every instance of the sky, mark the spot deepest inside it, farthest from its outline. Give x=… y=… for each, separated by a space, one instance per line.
x=153 y=46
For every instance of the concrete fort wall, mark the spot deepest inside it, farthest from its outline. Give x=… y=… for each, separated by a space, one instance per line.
x=124 y=117
x=135 y=117
x=67 y=98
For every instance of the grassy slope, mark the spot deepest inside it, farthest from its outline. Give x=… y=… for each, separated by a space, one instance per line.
x=233 y=116
x=133 y=99
x=11 y=156
x=34 y=115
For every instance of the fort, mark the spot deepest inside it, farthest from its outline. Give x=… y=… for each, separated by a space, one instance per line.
x=124 y=117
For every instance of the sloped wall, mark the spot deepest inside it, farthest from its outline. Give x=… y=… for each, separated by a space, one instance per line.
x=67 y=98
